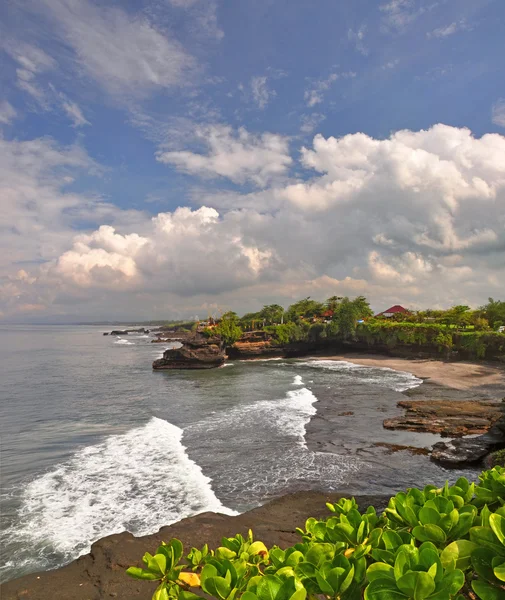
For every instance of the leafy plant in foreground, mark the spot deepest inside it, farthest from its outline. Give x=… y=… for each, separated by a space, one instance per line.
x=433 y=544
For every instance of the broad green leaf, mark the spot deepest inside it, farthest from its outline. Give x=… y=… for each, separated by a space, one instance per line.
x=383 y=589
x=217 y=587
x=318 y=553
x=486 y=591
x=457 y=555
x=161 y=593
x=499 y=571
x=453 y=581
x=416 y=584
x=482 y=562
x=429 y=533
x=248 y=596
x=138 y=573
x=324 y=586
x=380 y=571
x=268 y=587
x=484 y=537
x=497 y=524
x=429 y=515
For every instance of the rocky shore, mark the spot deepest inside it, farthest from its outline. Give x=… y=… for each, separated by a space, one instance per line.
x=195 y=352
x=100 y=575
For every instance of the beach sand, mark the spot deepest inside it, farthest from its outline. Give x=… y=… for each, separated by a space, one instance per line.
x=481 y=378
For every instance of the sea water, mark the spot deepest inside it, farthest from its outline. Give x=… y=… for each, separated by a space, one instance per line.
x=94 y=442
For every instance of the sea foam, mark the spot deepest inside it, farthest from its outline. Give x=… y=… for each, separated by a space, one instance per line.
x=137 y=481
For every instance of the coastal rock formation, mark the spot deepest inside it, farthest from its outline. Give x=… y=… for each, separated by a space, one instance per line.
x=461 y=451
x=448 y=417
x=101 y=573
x=196 y=352
x=255 y=344
x=127 y=331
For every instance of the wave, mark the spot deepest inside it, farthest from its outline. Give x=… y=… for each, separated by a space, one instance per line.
x=137 y=481
x=400 y=381
x=298 y=380
x=124 y=342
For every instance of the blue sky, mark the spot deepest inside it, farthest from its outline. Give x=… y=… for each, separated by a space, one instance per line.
x=115 y=113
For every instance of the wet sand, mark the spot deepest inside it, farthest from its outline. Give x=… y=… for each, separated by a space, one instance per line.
x=482 y=380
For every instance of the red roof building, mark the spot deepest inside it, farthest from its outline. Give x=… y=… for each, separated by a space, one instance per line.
x=394 y=310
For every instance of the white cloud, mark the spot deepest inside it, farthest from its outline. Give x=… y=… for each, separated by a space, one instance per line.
x=447 y=30
x=310 y=122
x=498 y=113
x=357 y=37
x=125 y=53
x=261 y=94
x=391 y=64
x=7 y=112
x=400 y=14
x=315 y=95
x=240 y=156
x=74 y=113
x=417 y=219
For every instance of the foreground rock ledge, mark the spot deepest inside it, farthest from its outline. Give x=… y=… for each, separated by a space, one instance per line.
x=100 y=574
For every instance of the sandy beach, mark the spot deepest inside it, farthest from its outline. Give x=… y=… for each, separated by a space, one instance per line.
x=481 y=378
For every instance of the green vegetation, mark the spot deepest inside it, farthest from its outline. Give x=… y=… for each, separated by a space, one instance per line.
x=433 y=544
x=471 y=333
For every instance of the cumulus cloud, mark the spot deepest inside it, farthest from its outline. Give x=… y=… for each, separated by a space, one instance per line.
x=310 y=122
x=239 y=156
x=123 y=52
x=417 y=219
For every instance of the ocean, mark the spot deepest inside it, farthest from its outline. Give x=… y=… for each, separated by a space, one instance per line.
x=94 y=442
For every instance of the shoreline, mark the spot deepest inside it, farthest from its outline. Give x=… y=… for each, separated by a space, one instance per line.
x=482 y=379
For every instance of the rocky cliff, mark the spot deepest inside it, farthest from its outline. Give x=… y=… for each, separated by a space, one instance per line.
x=196 y=352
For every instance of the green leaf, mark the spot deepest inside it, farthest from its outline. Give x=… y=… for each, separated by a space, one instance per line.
x=391 y=540
x=499 y=571
x=319 y=553
x=268 y=587
x=482 y=562
x=457 y=555
x=453 y=581
x=383 y=589
x=486 y=591
x=248 y=596
x=138 y=573
x=185 y=595
x=217 y=587
x=429 y=515
x=429 y=533
x=497 y=524
x=380 y=570
x=484 y=537
x=324 y=586
x=416 y=584
x=161 y=593
x=300 y=594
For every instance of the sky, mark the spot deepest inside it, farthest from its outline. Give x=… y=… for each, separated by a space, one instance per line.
x=177 y=158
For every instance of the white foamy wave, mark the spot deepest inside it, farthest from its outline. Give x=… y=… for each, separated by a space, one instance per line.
x=228 y=365
x=400 y=381
x=137 y=481
x=298 y=380
x=124 y=342
x=288 y=416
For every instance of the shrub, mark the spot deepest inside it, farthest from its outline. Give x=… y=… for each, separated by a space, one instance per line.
x=433 y=544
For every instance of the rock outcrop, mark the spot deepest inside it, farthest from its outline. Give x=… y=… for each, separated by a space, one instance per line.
x=101 y=573
x=127 y=331
x=255 y=344
x=448 y=417
x=463 y=451
x=196 y=352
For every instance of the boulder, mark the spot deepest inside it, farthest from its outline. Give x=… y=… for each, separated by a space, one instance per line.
x=255 y=344
x=196 y=352
x=466 y=451
x=448 y=417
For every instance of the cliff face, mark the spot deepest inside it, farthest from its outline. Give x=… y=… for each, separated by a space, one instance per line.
x=196 y=352
x=255 y=344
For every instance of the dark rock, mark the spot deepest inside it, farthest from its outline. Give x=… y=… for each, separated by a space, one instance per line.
x=448 y=417
x=467 y=451
x=101 y=573
x=106 y=333
x=118 y=332
x=196 y=352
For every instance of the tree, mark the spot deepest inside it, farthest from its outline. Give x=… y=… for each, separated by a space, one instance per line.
x=345 y=318
x=305 y=308
x=272 y=313
x=228 y=329
x=494 y=312
x=333 y=302
x=362 y=308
